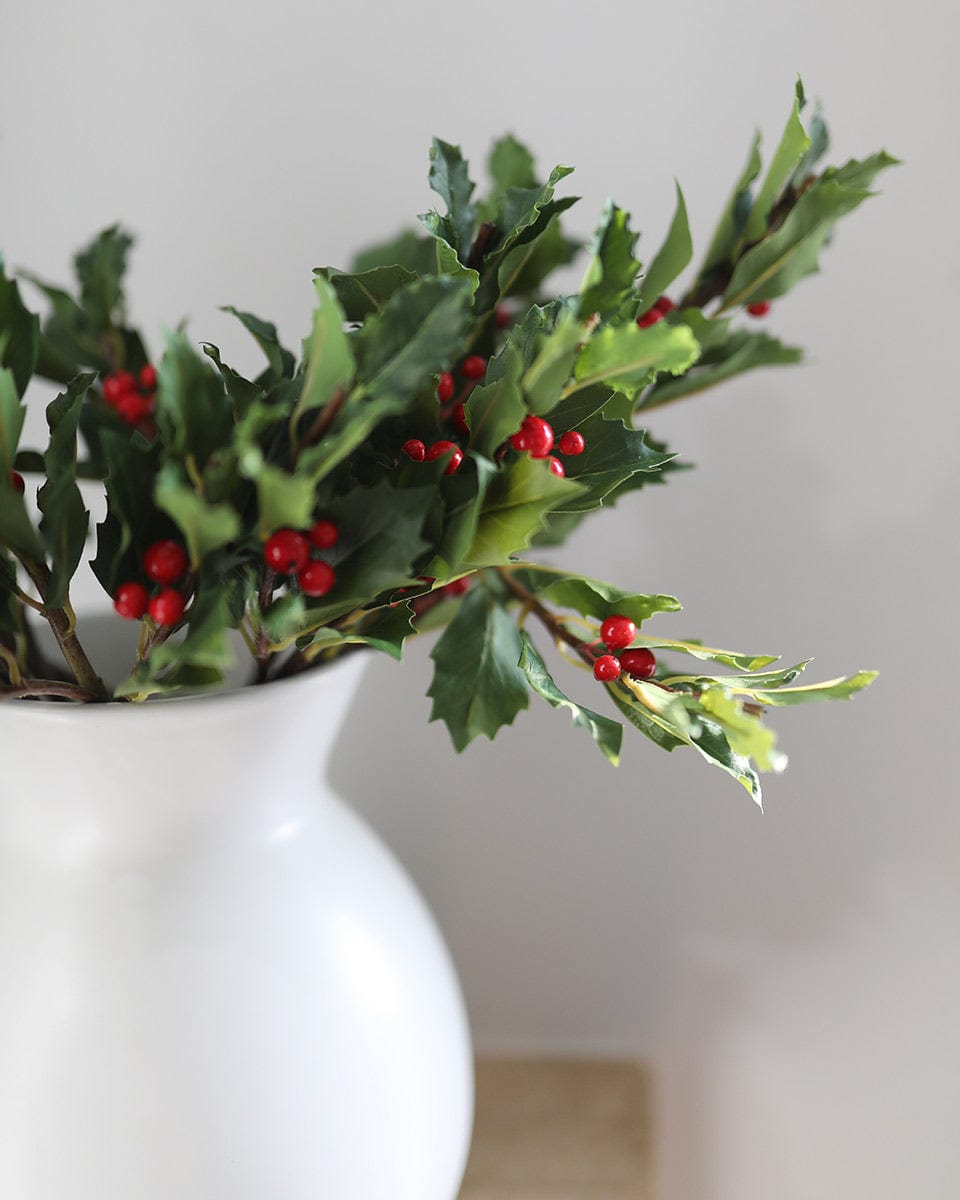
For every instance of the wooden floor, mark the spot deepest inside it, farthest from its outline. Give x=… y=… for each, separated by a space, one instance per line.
x=560 y=1129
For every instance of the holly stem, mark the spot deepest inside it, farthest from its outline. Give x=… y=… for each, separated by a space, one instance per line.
x=553 y=624
x=63 y=623
x=50 y=687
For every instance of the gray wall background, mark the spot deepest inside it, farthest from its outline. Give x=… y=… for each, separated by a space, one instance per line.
x=792 y=977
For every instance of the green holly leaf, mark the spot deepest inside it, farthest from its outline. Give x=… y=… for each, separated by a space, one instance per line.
x=543 y=381
x=495 y=409
x=740 y=351
x=819 y=145
x=65 y=520
x=792 y=251
x=282 y=364
x=132 y=521
x=205 y=527
x=463 y=497
x=672 y=257
x=243 y=393
x=606 y=733
x=590 y=597
x=612 y=271
x=613 y=454
x=744 y=731
x=510 y=165
x=16 y=532
x=407 y=249
x=515 y=507
x=477 y=685
x=282 y=499
x=794 y=143
x=193 y=410
x=366 y=293
x=100 y=268
x=19 y=333
x=328 y=359
x=9 y=605
x=450 y=179
x=734 y=218
x=779 y=696
x=626 y=358
x=523 y=269
x=730 y=658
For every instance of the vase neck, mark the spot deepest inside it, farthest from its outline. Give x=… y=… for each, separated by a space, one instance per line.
x=81 y=783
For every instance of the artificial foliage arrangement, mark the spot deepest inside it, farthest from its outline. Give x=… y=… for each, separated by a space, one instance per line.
x=447 y=417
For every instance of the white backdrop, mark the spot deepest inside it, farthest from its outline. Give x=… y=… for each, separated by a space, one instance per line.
x=793 y=977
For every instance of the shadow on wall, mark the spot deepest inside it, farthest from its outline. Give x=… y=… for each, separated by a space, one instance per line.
x=653 y=911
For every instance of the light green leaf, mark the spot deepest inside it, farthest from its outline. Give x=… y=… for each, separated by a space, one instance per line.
x=514 y=508
x=194 y=413
x=543 y=381
x=283 y=500
x=782 y=697
x=328 y=359
x=745 y=732
x=590 y=597
x=205 y=526
x=510 y=166
x=793 y=145
x=672 y=257
x=730 y=658
x=410 y=250
x=477 y=685
x=495 y=410
x=606 y=733
x=626 y=358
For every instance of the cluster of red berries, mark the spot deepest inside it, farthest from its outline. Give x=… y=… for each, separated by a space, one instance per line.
x=163 y=563
x=132 y=397
x=288 y=553
x=536 y=437
x=421 y=452
x=656 y=312
x=617 y=632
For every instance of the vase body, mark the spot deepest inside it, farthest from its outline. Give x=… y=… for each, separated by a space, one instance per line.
x=215 y=982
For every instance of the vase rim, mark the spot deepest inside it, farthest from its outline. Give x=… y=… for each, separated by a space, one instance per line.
x=234 y=695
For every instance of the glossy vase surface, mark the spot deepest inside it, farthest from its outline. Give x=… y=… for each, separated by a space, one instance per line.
x=215 y=981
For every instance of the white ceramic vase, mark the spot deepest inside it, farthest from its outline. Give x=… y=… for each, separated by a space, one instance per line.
x=215 y=982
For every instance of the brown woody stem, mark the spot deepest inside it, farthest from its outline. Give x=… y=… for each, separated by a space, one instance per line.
x=62 y=623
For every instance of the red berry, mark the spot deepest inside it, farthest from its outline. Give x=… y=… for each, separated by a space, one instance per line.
x=760 y=309
x=665 y=304
x=148 y=378
x=572 y=442
x=323 y=534
x=114 y=386
x=167 y=607
x=445 y=388
x=316 y=578
x=130 y=601
x=439 y=449
x=639 y=663
x=286 y=551
x=414 y=449
x=459 y=419
x=606 y=668
x=650 y=317
x=474 y=367
x=17 y=482
x=165 y=561
x=556 y=467
x=457 y=587
x=534 y=435
x=617 y=632
x=503 y=316
x=134 y=408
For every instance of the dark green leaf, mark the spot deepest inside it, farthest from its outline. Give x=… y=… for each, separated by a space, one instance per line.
x=606 y=733
x=100 y=268
x=543 y=381
x=65 y=520
x=450 y=179
x=328 y=359
x=19 y=333
x=614 y=453
x=133 y=520
x=477 y=685
x=510 y=165
x=282 y=363
x=16 y=532
x=734 y=217
x=410 y=250
x=193 y=410
x=243 y=393
x=672 y=257
x=590 y=597
x=612 y=271
x=366 y=293
x=495 y=410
